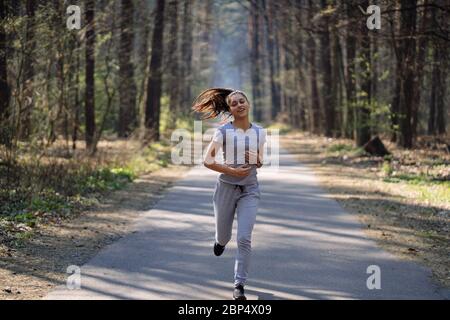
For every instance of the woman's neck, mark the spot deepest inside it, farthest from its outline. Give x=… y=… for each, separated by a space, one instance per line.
x=243 y=124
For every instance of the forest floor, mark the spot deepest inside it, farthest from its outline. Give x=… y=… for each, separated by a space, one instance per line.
x=403 y=201
x=39 y=243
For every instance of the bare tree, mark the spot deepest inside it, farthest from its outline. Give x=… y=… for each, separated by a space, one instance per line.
x=407 y=56
x=4 y=87
x=153 y=104
x=329 y=94
x=186 y=53
x=173 y=61
x=127 y=88
x=365 y=65
x=315 y=101
x=90 y=72
x=25 y=125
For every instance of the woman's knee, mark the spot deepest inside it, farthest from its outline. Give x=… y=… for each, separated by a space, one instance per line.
x=244 y=240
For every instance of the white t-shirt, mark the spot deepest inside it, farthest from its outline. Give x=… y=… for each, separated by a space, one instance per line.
x=253 y=139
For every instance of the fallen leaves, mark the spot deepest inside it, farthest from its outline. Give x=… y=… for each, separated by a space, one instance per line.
x=10 y=290
x=403 y=201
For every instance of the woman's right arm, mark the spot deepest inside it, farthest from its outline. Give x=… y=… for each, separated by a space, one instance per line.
x=210 y=163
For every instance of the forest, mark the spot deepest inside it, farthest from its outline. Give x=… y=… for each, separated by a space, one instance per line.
x=85 y=111
x=312 y=64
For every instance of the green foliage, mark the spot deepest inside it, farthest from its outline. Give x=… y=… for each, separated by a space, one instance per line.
x=12 y=200
x=48 y=201
x=105 y=179
x=387 y=168
x=283 y=127
x=340 y=147
x=170 y=121
x=27 y=218
x=380 y=114
x=23 y=202
x=416 y=179
x=153 y=157
x=60 y=189
x=20 y=238
x=427 y=188
x=165 y=117
x=186 y=122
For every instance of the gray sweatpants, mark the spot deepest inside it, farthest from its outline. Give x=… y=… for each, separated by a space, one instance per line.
x=243 y=200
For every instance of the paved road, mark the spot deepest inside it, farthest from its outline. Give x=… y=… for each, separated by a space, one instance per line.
x=305 y=246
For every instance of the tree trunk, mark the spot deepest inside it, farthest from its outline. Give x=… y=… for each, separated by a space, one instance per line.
x=143 y=62
x=374 y=56
x=395 y=106
x=255 y=60
x=441 y=91
x=435 y=78
x=336 y=82
x=25 y=125
x=315 y=101
x=420 y=62
x=349 y=120
x=442 y=48
x=60 y=75
x=186 y=52
x=127 y=88
x=407 y=52
x=207 y=28
x=76 y=107
x=328 y=88
x=153 y=105
x=173 y=87
x=274 y=84
x=90 y=71
x=300 y=78
x=4 y=87
x=363 y=112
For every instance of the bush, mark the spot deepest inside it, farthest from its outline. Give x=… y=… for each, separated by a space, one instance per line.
x=340 y=148
x=387 y=168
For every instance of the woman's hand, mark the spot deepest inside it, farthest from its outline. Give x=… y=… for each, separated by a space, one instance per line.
x=241 y=171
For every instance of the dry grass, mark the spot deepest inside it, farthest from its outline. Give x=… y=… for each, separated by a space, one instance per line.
x=404 y=202
x=62 y=206
x=32 y=269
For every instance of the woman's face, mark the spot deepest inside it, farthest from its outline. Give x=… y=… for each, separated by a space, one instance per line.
x=239 y=106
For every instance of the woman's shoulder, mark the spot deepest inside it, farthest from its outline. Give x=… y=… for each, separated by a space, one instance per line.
x=258 y=127
x=224 y=126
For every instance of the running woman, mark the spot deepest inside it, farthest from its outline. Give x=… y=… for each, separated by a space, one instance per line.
x=237 y=188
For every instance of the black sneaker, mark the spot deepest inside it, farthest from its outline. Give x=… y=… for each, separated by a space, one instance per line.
x=238 y=293
x=218 y=249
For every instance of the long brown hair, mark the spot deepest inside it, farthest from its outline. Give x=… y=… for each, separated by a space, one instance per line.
x=214 y=101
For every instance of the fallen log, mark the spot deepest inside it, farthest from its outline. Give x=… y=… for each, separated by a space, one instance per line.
x=376 y=147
